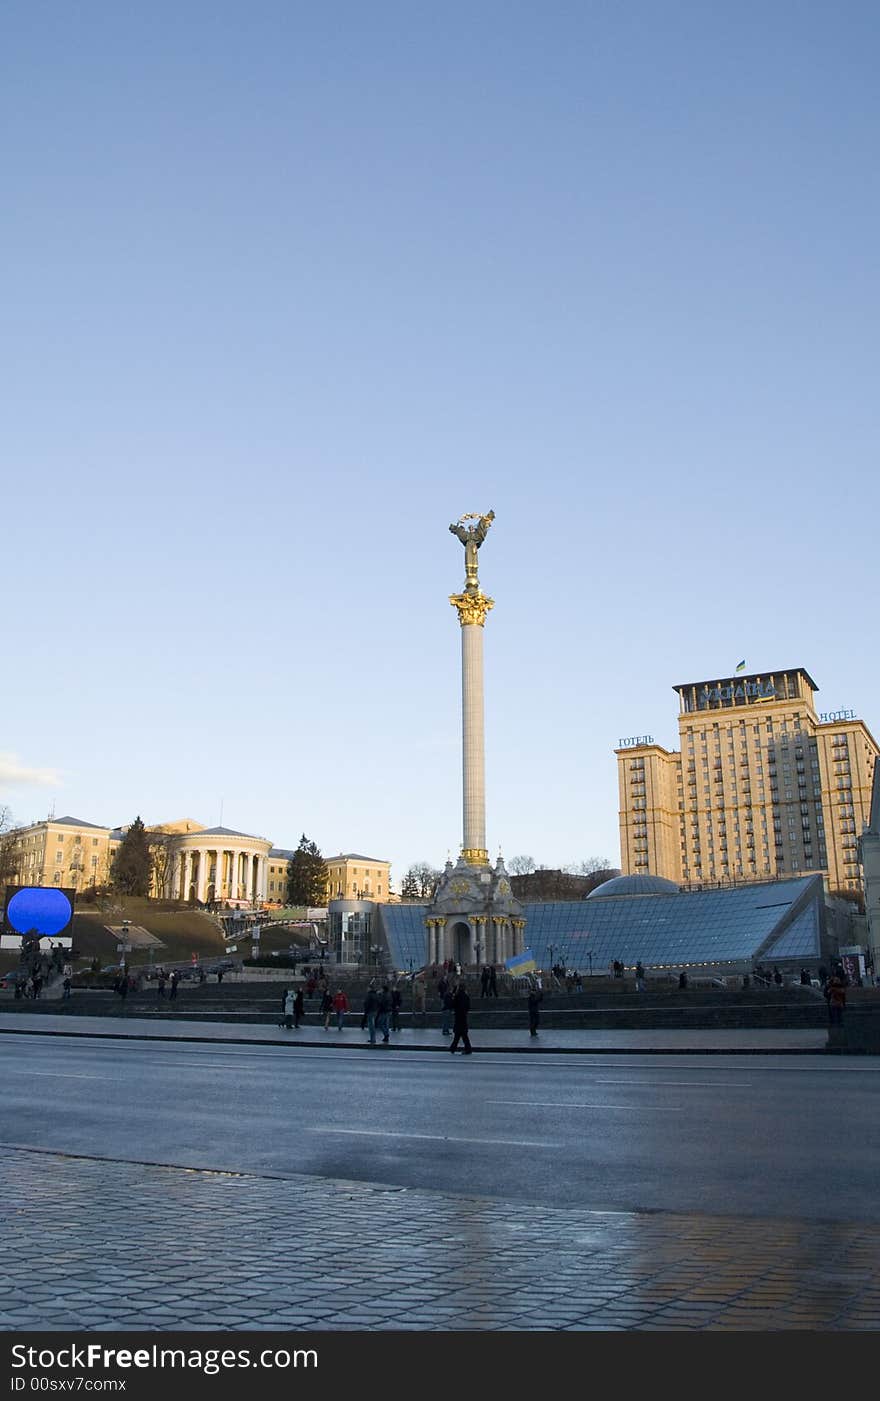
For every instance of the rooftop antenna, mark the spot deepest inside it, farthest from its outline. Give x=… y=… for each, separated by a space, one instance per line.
x=51 y=811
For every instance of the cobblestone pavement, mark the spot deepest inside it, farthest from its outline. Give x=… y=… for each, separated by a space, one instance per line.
x=94 y=1244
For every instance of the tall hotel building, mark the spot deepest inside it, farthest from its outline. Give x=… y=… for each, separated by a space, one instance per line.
x=764 y=787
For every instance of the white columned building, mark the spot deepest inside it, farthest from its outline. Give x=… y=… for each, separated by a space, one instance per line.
x=234 y=863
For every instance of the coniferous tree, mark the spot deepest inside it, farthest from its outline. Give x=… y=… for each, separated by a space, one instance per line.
x=420 y=882
x=307 y=875
x=133 y=867
x=409 y=889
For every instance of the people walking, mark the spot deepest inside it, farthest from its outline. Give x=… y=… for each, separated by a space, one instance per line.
x=287 y=1009
x=175 y=979
x=461 y=1004
x=447 y=1012
x=66 y=992
x=326 y=1008
x=371 y=1007
x=340 y=1007
x=640 y=977
x=396 y=1000
x=161 y=978
x=384 y=1011
x=484 y=981
x=493 y=982
x=535 y=998
x=298 y=1007
x=835 y=992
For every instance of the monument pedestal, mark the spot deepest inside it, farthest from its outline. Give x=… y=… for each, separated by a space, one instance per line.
x=474 y=916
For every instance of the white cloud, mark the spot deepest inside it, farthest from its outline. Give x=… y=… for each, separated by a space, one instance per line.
x=13 y=773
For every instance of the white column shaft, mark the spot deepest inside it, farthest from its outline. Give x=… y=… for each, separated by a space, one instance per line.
x=203 y=875
x=473 y=744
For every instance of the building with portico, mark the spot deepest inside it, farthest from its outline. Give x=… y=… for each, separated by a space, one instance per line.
x=191 y=862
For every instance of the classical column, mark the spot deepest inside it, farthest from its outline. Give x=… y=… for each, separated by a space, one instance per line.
x=202 y=888
x=184 y=873
x=472 y=609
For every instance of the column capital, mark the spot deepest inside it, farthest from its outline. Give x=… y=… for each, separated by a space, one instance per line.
x=472 y=607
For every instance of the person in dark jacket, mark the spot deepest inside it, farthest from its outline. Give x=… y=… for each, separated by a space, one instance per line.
x=371 y=1008
x=448 y=1012
x=383 y=1011
x=396 y=999
x=461 y=1004
x=175 y=979
x=298 y=1007
x=536 y=997
x=326 y=1008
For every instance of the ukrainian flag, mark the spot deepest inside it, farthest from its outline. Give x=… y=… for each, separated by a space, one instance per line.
x=741 y=666
x=521 y=964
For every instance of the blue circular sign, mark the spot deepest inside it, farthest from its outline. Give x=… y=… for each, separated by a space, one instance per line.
x=47 y=911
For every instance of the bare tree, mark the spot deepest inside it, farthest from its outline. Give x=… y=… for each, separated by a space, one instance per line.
x=8 y=858
x=521 y=865
x=162 y=849
x=590 y=867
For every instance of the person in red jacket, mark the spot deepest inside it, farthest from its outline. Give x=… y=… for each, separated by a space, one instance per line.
x=340 y=1007
x=835 y=991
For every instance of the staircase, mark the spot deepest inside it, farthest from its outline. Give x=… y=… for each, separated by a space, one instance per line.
x=611 y=1006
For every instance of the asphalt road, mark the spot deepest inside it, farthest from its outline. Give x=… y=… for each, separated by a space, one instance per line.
x=723 y=1136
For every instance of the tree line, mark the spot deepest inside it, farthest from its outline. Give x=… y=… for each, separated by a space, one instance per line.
x=528 y=880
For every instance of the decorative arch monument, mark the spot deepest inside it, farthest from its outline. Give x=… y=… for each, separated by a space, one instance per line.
x=474 y=917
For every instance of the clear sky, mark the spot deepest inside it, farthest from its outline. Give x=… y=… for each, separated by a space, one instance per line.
x=289 y=287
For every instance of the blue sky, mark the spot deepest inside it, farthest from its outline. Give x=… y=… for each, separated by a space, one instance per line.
x=290 y=287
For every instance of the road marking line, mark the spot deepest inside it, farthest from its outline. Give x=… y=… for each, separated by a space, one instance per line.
x=68 y=1075
x=683 y=1084
x=438 y=1137
x=577 y=1104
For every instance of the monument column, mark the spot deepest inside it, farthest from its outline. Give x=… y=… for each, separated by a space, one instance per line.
x=472 y=893
x=472 y=606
